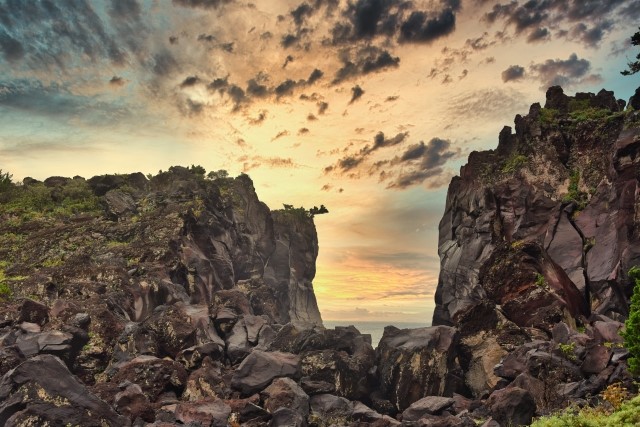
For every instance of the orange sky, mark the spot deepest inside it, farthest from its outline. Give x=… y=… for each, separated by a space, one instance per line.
x=143 y=85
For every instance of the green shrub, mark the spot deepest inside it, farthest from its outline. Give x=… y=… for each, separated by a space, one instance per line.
x=568 y=351
x=574 y=194
x=541 y=281
x=547 y=115
x=631 y=332
x=513 y=163
x=627 y=415
x=5 y=290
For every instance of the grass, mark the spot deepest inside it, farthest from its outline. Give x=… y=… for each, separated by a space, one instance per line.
x=513 y=163
x=547 y=115
x=574 y=194
x=616 y=411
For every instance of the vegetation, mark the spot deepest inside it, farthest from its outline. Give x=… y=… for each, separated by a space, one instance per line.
x=634 y=66
x=513 y=163
x=615 y=411
x=304 y=213
x=631 y=333
x=541 y=281
x=5 y=290
x=547 y=115
x=574 y=194
x=568 y=351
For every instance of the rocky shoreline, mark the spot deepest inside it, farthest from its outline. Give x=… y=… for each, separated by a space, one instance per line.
x=179 y=299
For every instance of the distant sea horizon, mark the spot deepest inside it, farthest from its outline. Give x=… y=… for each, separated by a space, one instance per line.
x=374 y=328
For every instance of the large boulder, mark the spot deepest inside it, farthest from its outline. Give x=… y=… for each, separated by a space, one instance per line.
x=285 y=393
x=512 y=405
x=42 y=391
x=415 y=363
x=259 y=368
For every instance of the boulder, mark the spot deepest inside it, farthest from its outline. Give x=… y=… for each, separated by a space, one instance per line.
x=285 y=417
x=329 y=406
x=512 y=405
x=596 y=359
x=259 y=368
x=285 y=393
x=154 y=376
x=33 y=312
x=208 y=412
x=430 y=405
x=348 y=377
x=417 y=362
x=42 y=391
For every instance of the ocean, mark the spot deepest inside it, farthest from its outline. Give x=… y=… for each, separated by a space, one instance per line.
x=374 y=328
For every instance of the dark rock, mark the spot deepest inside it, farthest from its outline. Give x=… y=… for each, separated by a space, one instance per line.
x=430 y=405
x=416 y=362
x=259 y=368
x=207 y=381
x=209 y=412
x=155 y=376
x=33 y=312
x=596 y=359
x=43 y=391
x=132 y=403
x=328 y=406
x=512 y=405
x=607 y=332
x=336 y=367
x=119 y=204
x=285 y=417
x=285 y=393
x=634 y=101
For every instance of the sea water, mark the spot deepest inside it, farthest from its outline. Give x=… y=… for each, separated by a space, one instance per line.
x=374 y=328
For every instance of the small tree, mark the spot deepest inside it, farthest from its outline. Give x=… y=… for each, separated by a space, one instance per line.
x=634 y=66
x=5 y=180
x=631 y=333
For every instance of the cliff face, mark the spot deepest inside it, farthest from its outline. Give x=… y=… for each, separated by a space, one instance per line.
x=546 y=226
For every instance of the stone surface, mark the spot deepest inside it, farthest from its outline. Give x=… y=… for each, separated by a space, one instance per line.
x=43 y=390
x=512 y=405
x=416 y=362
x=430 y=405
x=285 y=393
x=259 y=368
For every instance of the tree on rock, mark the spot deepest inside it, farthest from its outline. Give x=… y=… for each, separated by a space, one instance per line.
x=634 y=66
x=631 y=333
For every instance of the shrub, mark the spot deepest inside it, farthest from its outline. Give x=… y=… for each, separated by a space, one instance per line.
x=514 y=163
x=631 y=333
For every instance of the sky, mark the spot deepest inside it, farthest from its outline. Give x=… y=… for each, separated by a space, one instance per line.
x=366 y=106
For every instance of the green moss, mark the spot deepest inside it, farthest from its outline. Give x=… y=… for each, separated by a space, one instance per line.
x=5 y=291
x=548 y=115
x=513 y=163
x=631 y=332
x=568 y=351
x=541 y=281
x=574 y=194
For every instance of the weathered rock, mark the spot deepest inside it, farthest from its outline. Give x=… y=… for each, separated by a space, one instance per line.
x=155 y=376
x=133 y=403
x=513 y=405
x=33 y=312
x=596 y=359
x=207 y=381
x=328 y=406
x=348 y=376
x=417 y=362
x=259 y=368
x=285 y=417
x=285 y=393
x=210 y=412
x=430 y=405
x=43 y=391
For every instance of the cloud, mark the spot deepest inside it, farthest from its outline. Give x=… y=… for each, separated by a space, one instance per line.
x=303 y=131
x=190 y=81
x=322 y=107
x=315 y=75
x=280 y=134
x=352 y=161
x=368 y=59
x=12 y=49
x=255 y=162
x=514 y=72
x=117 y=81
x=262 y=116
x=420 y=27
x=356 y=93
x=539 y=34
x=563 y=72
x=205 y=4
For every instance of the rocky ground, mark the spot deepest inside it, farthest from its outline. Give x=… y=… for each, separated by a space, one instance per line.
x=181 y=299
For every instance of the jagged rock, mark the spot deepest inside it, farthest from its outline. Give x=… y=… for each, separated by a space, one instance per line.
x=119 y=204
x=259 y=368
x=430 y=405
x=155 y=376
x=512 y=405
x=33 y=312
x=347 y=376
x=132 y=403
x=607 y=332
x=238 y=346
x=596 y=359
x=329 y=406
x=285 y=417
x=285 y=393
x=210 y=412
x=41 y=390
x=417 y=362
x=207 y=381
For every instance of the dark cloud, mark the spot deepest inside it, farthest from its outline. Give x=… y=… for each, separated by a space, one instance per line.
x=237 y=95
x=539 y=34
x=11 y=48
x=311 y=117
x=423 y=161
x=280 y=134
x=285 y=88
x=352 y=161
x=303 y=131
x=383 y=60
x=480 y=43
x=255 y=88
x=537 y=17
x=272 y=162
x=420 y=27
x=190 y=81
x=356 y=93
x=289 y=40
x=287 y=60
x=206 y=4
x=315 y=75
x=219 y=83
x=563 y=72
x=301 y=12
x=262 y=116
x=117 y=81
x=514 y=72
x=124 y=8
x=322 y=107
x=392 y=98
x=164 y=63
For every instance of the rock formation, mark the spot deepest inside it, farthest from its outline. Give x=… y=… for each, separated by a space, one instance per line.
x=180 y=299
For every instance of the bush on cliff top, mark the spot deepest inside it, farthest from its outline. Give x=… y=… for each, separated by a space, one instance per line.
x=631 y=333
